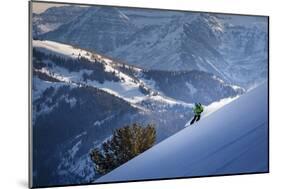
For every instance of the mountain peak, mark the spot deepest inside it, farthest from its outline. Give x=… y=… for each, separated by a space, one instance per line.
x=106 y=12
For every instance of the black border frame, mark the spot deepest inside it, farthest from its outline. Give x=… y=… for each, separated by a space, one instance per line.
x=30 y=38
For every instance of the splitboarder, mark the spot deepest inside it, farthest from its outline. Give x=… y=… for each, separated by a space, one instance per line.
x=198 y=109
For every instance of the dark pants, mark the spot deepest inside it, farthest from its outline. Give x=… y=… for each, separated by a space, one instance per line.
x=195 y=118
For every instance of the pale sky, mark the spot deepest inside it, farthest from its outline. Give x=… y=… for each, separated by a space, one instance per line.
x=41 y=7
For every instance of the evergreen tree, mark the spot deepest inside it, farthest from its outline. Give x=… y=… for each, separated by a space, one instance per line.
x=126 y=143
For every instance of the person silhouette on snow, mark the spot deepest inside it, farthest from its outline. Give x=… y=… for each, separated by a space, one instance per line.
x=197 y=109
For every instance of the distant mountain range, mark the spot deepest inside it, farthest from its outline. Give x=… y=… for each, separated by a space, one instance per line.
x=232 y=47
x=80 y=97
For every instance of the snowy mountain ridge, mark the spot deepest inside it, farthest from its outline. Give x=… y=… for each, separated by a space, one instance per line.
x=227 y=46
x=128 y=89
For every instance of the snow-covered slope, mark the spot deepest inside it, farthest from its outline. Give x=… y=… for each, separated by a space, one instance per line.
x=232 y=140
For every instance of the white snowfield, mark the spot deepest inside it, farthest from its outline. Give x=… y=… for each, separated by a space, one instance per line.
x=234 y=139
x=59 y=48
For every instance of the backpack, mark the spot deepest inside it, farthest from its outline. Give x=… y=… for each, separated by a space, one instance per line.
x=198 y=109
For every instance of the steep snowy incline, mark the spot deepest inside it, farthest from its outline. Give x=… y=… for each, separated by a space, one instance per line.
x=232 y=140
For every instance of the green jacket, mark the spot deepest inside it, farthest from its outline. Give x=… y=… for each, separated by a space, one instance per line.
x=198 y=109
